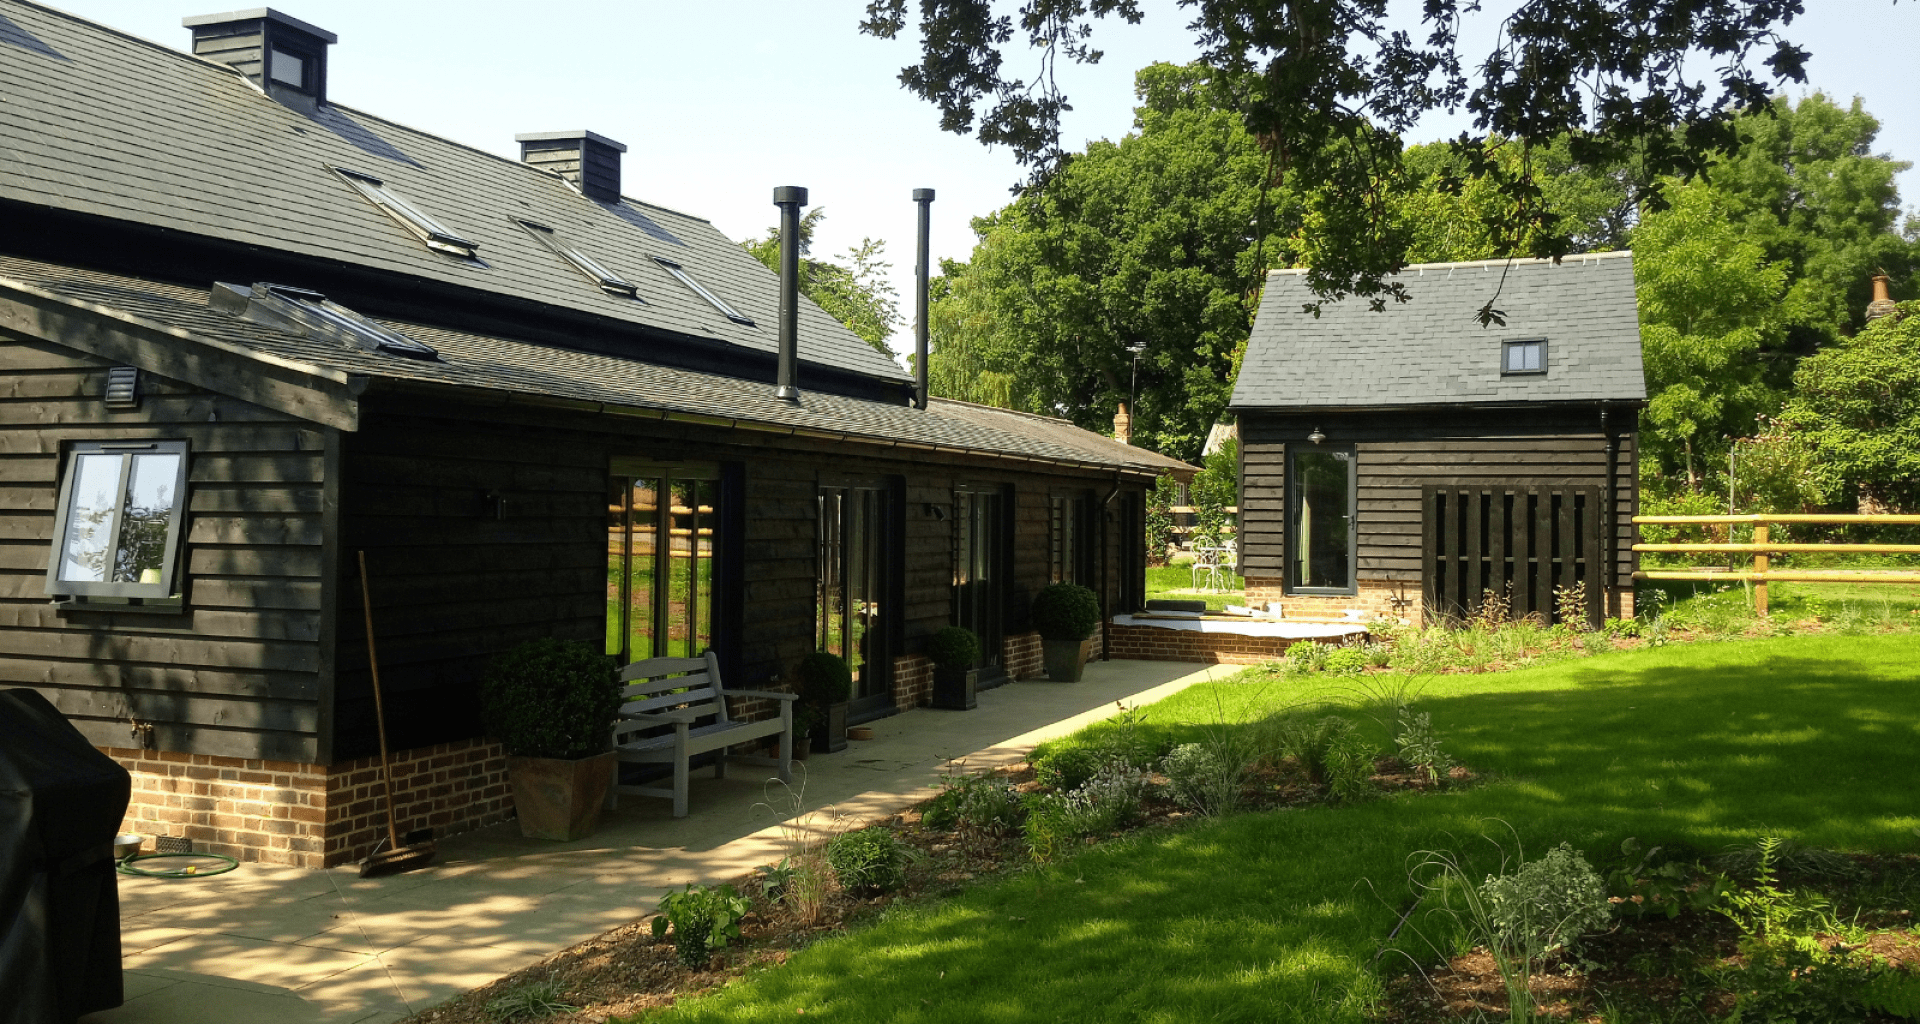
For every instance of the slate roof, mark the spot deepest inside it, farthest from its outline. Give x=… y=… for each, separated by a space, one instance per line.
x=507 y=367
x=98 y=122
x=1431 y=351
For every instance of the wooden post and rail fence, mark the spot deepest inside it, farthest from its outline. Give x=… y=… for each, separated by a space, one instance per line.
x=1762 y=549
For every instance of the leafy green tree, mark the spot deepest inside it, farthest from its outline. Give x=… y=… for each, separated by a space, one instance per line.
x=854 y=291
x=1329 y=86
x=1808 y=188
x=1159 y=240
x=1709 y=302
x=1855 y=411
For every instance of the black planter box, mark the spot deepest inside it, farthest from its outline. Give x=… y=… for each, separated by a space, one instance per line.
x=953 y=688
x=830 y=737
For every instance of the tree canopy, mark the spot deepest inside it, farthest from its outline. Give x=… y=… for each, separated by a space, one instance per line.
x=1855 y=412
x=1160 y=240
x=854 y=291
x=1328 y=86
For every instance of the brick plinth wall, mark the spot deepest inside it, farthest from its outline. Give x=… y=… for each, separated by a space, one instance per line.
x=309 y=815
x=1022 y=656
x=1154 y=643
x=1374 y=601
x=266 y=812
x=912 y=681
x=449 y=787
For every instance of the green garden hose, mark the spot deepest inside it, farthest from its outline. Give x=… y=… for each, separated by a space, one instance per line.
x=188 y=871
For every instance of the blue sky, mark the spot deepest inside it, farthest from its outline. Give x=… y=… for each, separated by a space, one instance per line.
x=719 y=101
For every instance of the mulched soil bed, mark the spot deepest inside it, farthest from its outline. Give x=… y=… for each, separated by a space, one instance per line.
x=1652 y=968
x=626 y=970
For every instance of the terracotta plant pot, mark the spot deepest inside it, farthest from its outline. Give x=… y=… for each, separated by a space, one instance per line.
x=1066 y=660
x=557 y=799
x=953 y=688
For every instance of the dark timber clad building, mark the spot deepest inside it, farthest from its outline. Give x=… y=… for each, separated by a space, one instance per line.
x=1409 y=461
x=247 y=333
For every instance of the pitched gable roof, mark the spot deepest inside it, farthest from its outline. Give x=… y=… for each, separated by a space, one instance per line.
x=1432 y=350
x=98 y=122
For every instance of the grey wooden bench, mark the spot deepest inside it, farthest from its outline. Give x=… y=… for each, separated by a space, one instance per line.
x=687 y=695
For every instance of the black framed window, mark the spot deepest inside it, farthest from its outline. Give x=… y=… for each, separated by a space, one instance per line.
x=857 y=596
x=1322 y=505
x=290 y=68
x=982 y=533
x=117 y=527
x=1069 y=539
x=663 y=539
x=1526 y=356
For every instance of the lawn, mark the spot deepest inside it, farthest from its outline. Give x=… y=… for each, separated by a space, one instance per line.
x=1176 y=582
x=1279 y=915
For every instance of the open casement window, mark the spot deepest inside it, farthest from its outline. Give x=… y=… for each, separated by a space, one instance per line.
x=663 y=528
x=310 y=314
x=1321 y=505
x=116 y=531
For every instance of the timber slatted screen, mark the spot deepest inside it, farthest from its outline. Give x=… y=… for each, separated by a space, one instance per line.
x=1523 y=544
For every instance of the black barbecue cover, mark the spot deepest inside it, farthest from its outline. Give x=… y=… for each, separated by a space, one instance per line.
x=61 y=803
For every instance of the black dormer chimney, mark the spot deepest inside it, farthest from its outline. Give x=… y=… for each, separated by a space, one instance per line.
x=591 y=162
x=283 y=55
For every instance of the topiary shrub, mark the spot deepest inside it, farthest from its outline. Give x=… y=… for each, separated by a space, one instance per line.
x=551 y=698
x=825 y=679
x=1065 y=611
x=954 y=647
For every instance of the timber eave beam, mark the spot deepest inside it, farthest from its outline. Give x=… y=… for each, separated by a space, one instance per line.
x=313 y=393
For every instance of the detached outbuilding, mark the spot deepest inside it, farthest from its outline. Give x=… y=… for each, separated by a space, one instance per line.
x=1410 y=462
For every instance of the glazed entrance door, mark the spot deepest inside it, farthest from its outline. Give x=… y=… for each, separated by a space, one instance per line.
x=980 y=573
x=853 y=598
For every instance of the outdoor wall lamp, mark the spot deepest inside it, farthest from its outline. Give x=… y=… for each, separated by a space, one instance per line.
x=1316 y=437
x=935 y=511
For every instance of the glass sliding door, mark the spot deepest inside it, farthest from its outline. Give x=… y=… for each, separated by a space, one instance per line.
x=852 y=603
x=662 y=524
x=980 y=572
x=1320 y=519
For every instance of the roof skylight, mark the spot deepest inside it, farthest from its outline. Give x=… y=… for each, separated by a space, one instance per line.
x=408 y=216
x=609 y=282
x=313 y=315
x=725 y=310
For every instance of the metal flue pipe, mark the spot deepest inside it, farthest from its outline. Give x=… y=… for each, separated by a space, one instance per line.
x=789 y=198
x=923 y=197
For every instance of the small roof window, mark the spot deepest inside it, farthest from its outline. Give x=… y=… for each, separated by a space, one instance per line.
x=311 y=314
x=1524 y=357
x=408 y=216
x=609 y=282
x=290 y=68
x=725 y=310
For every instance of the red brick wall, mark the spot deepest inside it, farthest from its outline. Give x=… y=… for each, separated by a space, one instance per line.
x=1374 y=601
x=1153 y=643
x=1022 y=656
x=308 y=815
x=450 y=787
x=912 y=681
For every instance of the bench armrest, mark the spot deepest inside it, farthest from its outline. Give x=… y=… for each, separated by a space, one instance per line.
x=769 y=694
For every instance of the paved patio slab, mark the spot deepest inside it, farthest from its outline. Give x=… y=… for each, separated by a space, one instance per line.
x=329 y=947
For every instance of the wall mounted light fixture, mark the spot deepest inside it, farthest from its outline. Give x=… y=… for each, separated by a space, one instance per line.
x=1316 y=437
x=934 y=511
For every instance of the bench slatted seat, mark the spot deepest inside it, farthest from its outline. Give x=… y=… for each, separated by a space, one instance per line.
x=687 y=694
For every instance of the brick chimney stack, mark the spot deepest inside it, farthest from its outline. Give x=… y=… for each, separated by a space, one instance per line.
x=1881 y=304
x=1123 y=425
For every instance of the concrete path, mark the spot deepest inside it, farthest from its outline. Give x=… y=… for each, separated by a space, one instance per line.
x=327 y=947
